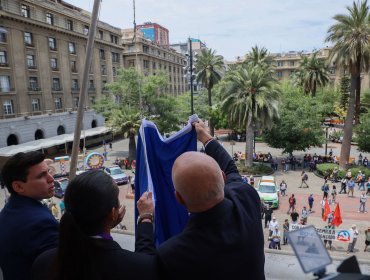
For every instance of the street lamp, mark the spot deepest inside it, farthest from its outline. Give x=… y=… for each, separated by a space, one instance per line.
x=191 y=77
x=326 y=139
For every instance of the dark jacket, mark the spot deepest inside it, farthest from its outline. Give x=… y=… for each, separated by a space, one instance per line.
x=110 y=261
x=27 y=228
x=225 y=242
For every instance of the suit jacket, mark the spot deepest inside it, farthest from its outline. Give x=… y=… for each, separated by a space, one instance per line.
x=225 y=242
x=27 y=229
x=109 y=261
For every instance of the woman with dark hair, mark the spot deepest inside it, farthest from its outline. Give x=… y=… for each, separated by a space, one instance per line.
x=86 y=249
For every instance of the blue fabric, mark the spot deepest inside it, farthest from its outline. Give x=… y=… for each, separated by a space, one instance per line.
x=155 y=157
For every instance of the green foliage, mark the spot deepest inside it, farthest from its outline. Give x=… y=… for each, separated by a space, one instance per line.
x=256 y=169
x=105 y=105
x=299 y=126
x=363 y=133
x=327 y=168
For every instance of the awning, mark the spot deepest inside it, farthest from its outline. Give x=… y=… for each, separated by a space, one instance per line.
x=49 y=142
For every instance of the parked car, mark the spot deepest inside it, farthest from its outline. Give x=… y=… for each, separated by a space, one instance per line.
x=268 y=190
x=60 y=186
x=118 y=175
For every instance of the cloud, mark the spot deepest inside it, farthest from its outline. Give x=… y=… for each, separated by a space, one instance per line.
x=231 y=27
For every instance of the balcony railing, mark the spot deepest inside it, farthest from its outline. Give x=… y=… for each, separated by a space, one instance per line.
x=74 y=89
x=91 y=89
x=4 y=64
x=8 y=89
x=29 y=44
x=31 y=67
x=54 y=69
x=56 y=88
x=34 y=88
x=53 y=48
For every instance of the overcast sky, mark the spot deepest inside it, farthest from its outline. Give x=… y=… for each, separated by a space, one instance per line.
x=231 y=27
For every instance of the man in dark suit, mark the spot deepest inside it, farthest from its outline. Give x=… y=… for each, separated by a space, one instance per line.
x=223 y=238
x=27 y=226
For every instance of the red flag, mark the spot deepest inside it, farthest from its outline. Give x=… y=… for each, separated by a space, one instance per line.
x=326 y=210
x=337 y=216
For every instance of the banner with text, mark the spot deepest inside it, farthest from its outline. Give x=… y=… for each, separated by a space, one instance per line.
x=341 y=235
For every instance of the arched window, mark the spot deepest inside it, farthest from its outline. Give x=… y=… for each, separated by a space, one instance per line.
x=12 y=140
x=94 y=124
x=39 y=134
x=61 y=130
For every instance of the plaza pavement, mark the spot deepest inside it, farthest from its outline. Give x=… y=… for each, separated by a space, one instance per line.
x=349 y=206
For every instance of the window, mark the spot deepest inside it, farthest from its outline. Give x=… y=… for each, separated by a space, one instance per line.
x=146 y=64
x=154 y=65
x=58 y=103
x=69 y=24
x=28 y=38
x=31 y=61
x=92 y=100
x=52 y=43
x=4 y=83
x=101 y=34
x=54 y=64
x=75 y=84
x=35 y=105
x=291 y=63
x=25 y=11
x=102 y=54
x=130 y=48
x=3 y=59
x=113 y=39
x=280 y=63
x=115 y=57
x=56 y=84
x=91 y=84
x=104 y=70
x=131 y=63
x=75 y=101
x=145 y=49
x=279 y=74
x=8 y=107
x=86 y=30
x=72 y=47
x=3 y=35
x=33 y=84
x=114 y=70
x=73 y=65
x=50 y=18
x=104 y=83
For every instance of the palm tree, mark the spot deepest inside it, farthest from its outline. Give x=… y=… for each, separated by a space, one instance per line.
x=209 y=69
x=251 y=98
x=351 y=38
x=259 y=56
x=312 y=73
x=128 y=122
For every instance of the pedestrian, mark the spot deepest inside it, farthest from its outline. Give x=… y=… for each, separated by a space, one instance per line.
x=349 y=174
x=350 y=186
x=360 y=180
x=328 y=227
x=276 y=236
x=273 y=224
x=294 y=216
x=86 y=248
x=354 y=235
x=363 y=199
x=292 y=203
x=263 y=207
x=367 y=238
x=285 y=231
x=368 y=186
x=268 y=214
x=27 y=226
x=325 y=188
x=304 y=178
x=310 y=202
x=343 y=185
x=283 y=187
x=334 y=175
x=330 y=217
x=333 y=194
x=110 y=146
x=304 y=214
x=322 y=203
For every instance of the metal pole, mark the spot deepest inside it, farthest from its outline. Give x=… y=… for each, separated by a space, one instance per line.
x=191 y=78
x=326 y=141
x=83 y=92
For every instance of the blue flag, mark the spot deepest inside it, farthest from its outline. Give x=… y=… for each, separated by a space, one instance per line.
x=155 y=157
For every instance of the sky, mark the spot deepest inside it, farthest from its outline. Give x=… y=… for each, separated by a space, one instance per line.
x=231 y=27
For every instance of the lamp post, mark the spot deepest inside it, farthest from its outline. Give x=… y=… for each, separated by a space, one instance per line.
x=191 y=77
x=326 y=140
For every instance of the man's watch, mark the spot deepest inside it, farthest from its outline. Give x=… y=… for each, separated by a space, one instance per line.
x=145 y=216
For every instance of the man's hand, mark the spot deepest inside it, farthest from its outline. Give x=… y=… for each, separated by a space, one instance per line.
x=202 y=131
x=145 y=203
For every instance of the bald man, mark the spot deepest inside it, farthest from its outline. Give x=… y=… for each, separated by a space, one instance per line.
x=223 y=238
